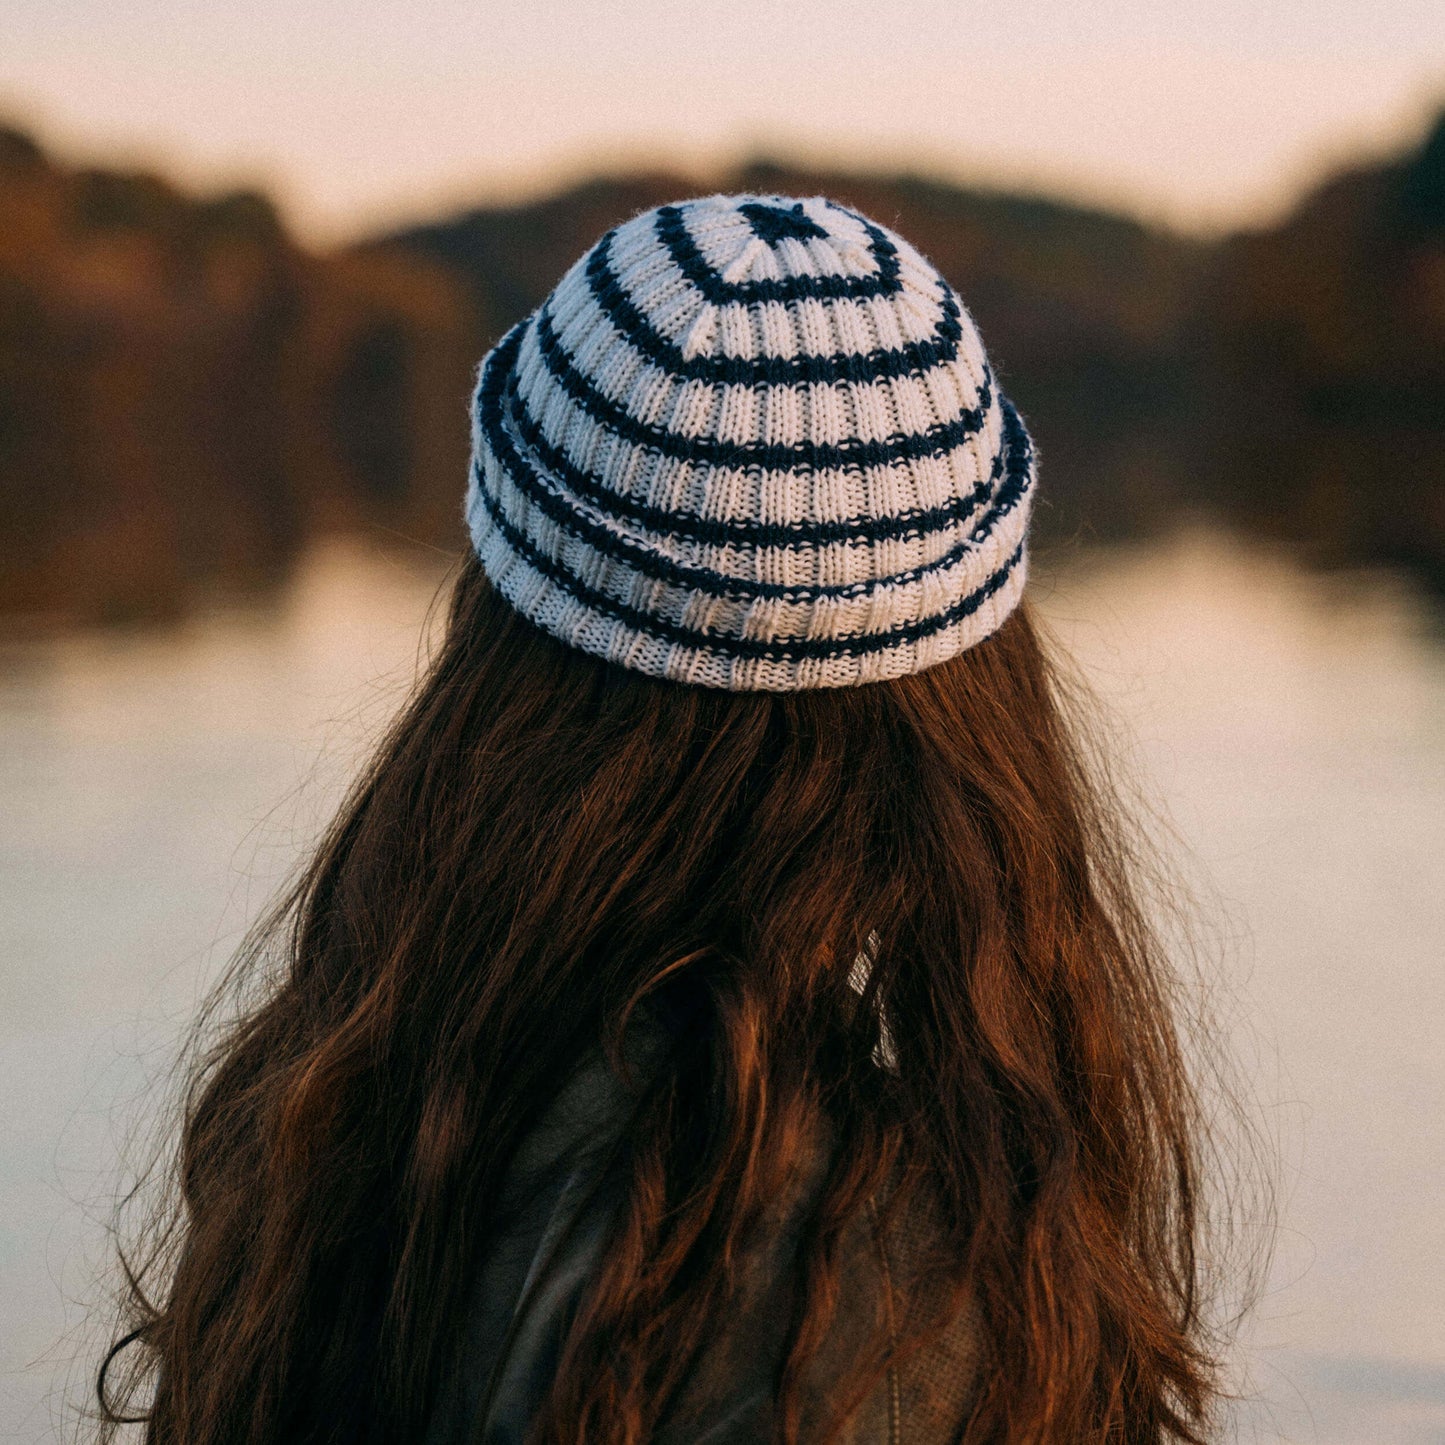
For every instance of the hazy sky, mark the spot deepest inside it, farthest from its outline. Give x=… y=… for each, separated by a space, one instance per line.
x=1201 y=112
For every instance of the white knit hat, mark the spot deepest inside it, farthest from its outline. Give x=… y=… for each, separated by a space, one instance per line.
x=751 y=442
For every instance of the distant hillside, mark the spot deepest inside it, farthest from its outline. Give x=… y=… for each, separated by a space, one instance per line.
x=1325 y=354
x=186 y=396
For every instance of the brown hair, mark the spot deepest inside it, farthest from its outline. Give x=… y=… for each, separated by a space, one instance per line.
x=542 y=842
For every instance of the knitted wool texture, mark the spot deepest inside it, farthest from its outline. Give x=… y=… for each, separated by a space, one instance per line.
x=751 y=442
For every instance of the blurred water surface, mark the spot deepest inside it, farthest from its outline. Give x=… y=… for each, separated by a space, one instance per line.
x=155 y=788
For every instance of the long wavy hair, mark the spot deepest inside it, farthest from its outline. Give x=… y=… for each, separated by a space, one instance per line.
x=542 y=843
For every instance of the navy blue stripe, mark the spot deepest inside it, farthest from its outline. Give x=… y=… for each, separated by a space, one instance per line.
x=673 y=233
x=795 y=650
x=936 y=440
x=556 y=505
x=1019 y=449
x=741 y=531
x=912 y=359
x=498 y=392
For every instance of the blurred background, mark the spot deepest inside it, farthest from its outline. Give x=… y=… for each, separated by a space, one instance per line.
x=249 y=257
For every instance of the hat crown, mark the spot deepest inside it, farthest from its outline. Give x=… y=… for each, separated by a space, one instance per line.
x=751 y=442
x=760 y=275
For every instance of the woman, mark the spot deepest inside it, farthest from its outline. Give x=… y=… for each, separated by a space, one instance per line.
x=721 y=1012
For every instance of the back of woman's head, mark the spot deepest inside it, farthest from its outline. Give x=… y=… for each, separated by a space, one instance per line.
x=900 y=908
x=546 y=841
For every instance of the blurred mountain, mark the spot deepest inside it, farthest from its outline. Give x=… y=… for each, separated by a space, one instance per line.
x=187 y=396
x=1324 y=349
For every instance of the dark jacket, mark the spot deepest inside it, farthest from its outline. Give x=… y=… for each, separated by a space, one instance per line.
x=550 y=1230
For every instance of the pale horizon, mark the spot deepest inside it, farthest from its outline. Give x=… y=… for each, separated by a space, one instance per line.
x=356 y=117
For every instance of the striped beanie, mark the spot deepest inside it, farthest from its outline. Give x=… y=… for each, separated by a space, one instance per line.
x=751 y=442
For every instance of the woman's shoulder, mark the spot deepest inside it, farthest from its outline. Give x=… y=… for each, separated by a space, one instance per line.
x=549 y=1222
x=886 y=1259
x=552 y=1224
x=888 y=1267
